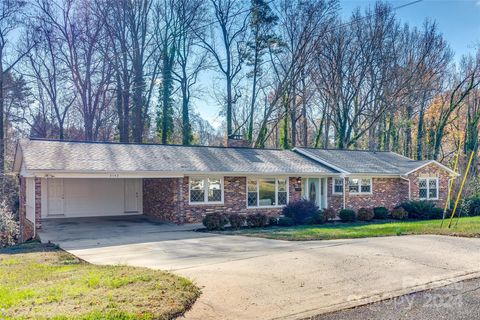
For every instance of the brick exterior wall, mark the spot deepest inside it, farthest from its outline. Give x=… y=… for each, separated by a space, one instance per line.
x=387 y=192
x=431 y=171
x=167 y=199
x=390 y=192
x=26 y=226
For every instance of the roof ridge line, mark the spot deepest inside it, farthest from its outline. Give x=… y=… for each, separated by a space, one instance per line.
x=149 y=144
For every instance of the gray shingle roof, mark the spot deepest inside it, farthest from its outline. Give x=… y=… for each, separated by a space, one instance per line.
x=358 y=161
x=111 y=157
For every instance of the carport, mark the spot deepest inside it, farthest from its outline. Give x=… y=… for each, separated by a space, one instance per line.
x=89 y=197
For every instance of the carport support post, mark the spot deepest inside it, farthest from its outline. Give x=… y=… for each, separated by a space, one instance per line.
x=38 y=205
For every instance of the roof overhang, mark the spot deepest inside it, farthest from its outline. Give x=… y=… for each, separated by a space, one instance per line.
x=156 y=174
x=453 y=173
x=17 y=159
x=320 y=160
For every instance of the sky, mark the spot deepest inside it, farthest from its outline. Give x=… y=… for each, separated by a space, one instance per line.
x=457 y=20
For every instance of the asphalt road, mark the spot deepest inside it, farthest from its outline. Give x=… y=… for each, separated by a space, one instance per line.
x=457 y=301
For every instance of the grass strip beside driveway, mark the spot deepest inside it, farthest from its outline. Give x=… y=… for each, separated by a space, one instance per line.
x=43 y=282
x=467 y=227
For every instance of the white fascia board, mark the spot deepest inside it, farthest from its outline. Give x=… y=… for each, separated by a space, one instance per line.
x=373 y=175
x=315 y=158
x=104 y=175
x=433 y=162
x=139 y=174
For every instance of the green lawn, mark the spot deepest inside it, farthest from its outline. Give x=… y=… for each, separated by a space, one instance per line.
x=467 y=227
x=42 y=282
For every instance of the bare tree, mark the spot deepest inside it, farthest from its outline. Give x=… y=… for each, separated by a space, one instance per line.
x=137 y=15
x=191 y=59
x=10 y=12
x=231 y=17
x=81 y=33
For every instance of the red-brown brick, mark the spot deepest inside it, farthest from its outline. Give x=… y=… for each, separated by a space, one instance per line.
x=390 y=192
x=167 y=199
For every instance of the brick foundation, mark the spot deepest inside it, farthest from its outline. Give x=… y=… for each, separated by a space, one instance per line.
x=167 y=199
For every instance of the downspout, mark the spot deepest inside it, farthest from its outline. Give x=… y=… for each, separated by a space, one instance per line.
x=344 y=193
x=409 y=187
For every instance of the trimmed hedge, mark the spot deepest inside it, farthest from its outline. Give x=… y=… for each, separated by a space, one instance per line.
x=317 y=218
x=257 y=220
x=365 y=214
x=399 y=214
x=380 y=213
x=329 y=214
x=285 y=222
x=215 y=221
x=347 y=215
x=237 y=220
x=421 y=210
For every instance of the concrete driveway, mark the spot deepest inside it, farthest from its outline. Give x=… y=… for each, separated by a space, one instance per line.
x=252 y=278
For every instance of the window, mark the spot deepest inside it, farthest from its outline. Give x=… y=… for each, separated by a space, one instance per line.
x=338 y=185
x=266 y=192
x=206 y=190
x=366 y=185
x=353 y=185
x=428 y=188
x=360 y=185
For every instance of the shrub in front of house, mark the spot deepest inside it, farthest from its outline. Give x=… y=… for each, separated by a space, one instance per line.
x=347 y=215
x=8 y=226
x=399 y=214
x=419 y=209
x=285 y=222
x=365 y=214
x=329 y=214
x=300 y=210
x=236 y=220
x=471 y=206
x=257 y=220
x=215 y=221
x=434 y=213
x=380 y=213
x=317 y=218
x=273 y=221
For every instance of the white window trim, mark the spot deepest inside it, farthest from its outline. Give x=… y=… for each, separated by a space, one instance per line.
x=276 y=192
x=360 y=186
x=333 y=186
x=205 y=195
x=428 y=188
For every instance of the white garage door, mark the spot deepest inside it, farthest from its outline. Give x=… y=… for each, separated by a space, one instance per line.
x=93 y=197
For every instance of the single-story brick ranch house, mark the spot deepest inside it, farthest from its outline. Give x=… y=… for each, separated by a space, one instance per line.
x=67 y=179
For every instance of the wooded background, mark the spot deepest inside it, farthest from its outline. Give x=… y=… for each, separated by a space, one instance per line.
x=285 y=72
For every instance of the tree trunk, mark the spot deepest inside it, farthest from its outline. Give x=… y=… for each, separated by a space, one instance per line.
x=229 y=106
x=254 y=93
x=407 y=148
x=420 y=131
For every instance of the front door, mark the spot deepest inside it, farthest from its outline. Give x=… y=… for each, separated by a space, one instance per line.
x=131 y=195
x=55 y=197
x=314 y=189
